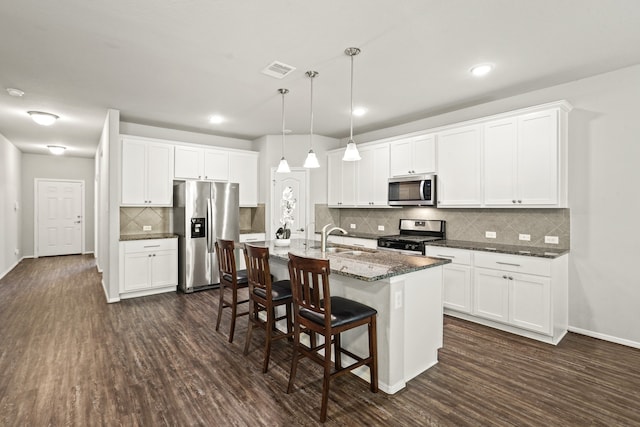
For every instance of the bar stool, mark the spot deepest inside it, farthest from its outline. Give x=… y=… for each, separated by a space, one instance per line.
x=317 y=311
x=264 y=296
x=230 y=279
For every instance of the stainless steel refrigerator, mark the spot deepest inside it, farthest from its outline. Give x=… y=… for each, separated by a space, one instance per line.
x=202 y=212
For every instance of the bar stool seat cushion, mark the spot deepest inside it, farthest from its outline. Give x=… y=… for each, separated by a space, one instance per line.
x=240 y=274
x=343 y=311
x=280 y=290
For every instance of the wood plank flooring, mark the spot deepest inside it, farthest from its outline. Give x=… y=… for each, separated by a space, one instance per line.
x=68 y=358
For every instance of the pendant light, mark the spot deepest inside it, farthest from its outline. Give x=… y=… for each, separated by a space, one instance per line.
x=351 y=154
x=311 y=161
x=283 y=167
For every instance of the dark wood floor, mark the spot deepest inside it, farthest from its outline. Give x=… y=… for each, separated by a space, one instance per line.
x=68 y=358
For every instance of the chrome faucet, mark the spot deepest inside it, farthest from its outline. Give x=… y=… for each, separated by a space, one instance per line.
x=306 y=234
x=325 y=233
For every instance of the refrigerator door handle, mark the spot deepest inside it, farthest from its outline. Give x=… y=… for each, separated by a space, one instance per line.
x=210 y=244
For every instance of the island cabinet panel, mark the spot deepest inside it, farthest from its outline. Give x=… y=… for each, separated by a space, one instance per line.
x=459 y=167
x=148 y=267
x=413 y=155
x=147 y=171
x=457 y=277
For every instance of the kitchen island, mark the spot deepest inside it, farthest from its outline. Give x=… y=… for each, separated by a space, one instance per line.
x=405 y=290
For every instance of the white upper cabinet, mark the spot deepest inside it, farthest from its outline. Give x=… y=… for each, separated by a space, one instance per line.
x=415 y=155
x=201 y=163
x=243 y=169
x=459 y=167
x=147 y=173
x=341 y=184
x=521 y=156
x=372 y=176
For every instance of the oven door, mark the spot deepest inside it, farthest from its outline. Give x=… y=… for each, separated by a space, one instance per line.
x=419 y=190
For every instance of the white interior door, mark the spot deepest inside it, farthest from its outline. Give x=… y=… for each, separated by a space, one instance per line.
x=59 y=217
x=297 y=180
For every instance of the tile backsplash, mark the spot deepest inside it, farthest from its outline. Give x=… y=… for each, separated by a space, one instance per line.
x=462 y=224
x=133 y=219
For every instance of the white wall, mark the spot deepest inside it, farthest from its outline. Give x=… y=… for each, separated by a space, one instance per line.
x=10 y=198
x=604 y=152
x=184 y=136
x=55 y=167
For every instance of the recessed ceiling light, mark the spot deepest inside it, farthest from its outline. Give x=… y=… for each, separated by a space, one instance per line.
x=15 y=92
x=360 y=111
x=481 y=69
x=216 y=119
x=56 y=149
x=42 y=118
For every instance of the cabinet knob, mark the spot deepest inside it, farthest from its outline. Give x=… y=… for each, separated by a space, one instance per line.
x=519 y=201
x=154 y=254
x=510 y=278
x=504 y=276
x=513 y=201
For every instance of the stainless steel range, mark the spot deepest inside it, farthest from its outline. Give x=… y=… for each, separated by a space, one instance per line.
x=414 y=233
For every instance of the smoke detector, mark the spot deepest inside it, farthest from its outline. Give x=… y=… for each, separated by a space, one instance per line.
x=278 y=69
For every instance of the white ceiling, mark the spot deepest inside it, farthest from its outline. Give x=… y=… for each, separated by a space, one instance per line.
x=173 y=63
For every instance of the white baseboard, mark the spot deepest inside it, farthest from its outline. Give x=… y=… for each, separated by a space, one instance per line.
x=106 y=294
x=4 y=273
x=605 y=337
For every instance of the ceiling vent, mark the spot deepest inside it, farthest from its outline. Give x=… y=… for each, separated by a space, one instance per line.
x=278 y=70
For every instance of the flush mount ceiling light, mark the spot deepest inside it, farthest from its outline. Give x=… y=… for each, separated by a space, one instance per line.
x=311 y=161
x=15 y=92
x=359 y=112
x=42 y=118
x=56 y=149
x=216 y=119
x=351 y=154
x=283 y=166
x=481 y=69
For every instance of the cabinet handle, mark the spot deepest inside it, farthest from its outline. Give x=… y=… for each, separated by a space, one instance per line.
x=510 y=278
x=507 y=263
x=152 y=246
x=358 y=244
x=504 y=276
x=251 y=240
x=446 y=256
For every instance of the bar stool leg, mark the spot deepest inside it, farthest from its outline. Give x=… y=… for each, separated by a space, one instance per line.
x=234 y=310
x=220 y=306
x=337 y=352
x=373 y=345
x=268 y=332
x=253 y=313
x=294 y=359
x=326 y=379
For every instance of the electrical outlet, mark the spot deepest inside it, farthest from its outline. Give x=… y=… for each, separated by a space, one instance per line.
x=525 y=237
x=352 y=226
x=490 y=234
x=146 y=228
x=17 y=251
x=551 y=239
x=381 y=228
x=398 y=300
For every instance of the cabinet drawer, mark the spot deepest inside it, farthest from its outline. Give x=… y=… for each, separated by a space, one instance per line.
x=514 y=263
x=457 y=256
x=252 y=237
x=150 y=245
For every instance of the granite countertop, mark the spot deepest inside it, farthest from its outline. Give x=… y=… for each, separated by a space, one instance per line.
x=363 y=264
x=501 y=249
x=147 y=236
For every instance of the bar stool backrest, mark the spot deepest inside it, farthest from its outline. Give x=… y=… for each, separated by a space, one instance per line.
x=258 y=272
x=310 y=288
x=226 y=259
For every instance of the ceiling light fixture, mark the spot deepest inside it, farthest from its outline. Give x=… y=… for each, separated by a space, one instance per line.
x=15 y=92
x=42 y=118
x=311 y=161
x=283 y=166
x=359 y=112
x=216 y=119
x=56 y=149
x=481 y=69
x=351 y=154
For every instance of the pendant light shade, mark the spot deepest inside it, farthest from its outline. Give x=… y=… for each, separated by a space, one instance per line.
x=283 y=166
x=311 y=161
x=351 y=154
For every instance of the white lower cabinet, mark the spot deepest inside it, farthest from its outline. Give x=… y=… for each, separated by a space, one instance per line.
x=521 y=294
x=148 y=267
x=456 y=277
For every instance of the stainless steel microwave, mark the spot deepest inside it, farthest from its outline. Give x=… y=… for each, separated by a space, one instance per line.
x=417 y=190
